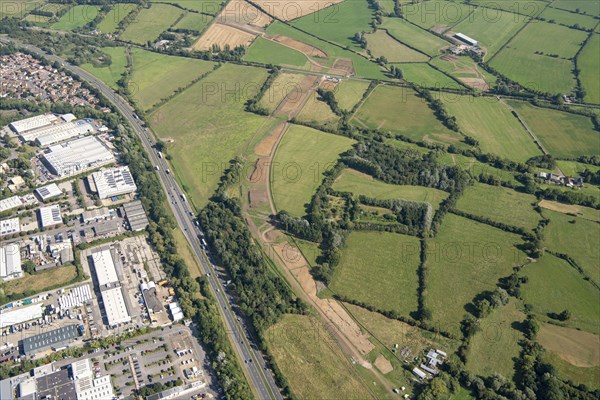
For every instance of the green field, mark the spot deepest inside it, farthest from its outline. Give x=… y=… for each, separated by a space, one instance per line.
x=563 y=134
x=413 y=36
x=18 y=8
x=528 y=8
x=268 y=52
x=581 y=6
x=492 y=124
x=380 y=269
x=40 y=281
x=589 y=64
x=463 y=68
x=579 y=240
x=500 y=204
x=399 y=110
x=579 y=375
x=464 y=259
x=437 y=15
x=150 y=23
x=490 y=28
x=362 y=184
x=209 y=119
x=302 y=157
x=476 y=167
x=305 y=352
x=206 y=6
x=574 y=168
x=112 y=73
x=194 y=22
x=111 y=20
x=318 y=112
x=548 y=39
x=76 y=17
x=568 y=18
x=493 y=348
x=172 y=72
x=554 y=286
x=338 y=23
x=426 y=76
x=285 y=84
x=348 y=93
x=381 y=43
x=40 y=20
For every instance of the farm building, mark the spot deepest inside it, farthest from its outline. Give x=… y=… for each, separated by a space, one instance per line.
x=31 y=123
x=419 y=374
x=57 y=133
x=48 y=191
x=465 y=39
x=10 y=226
x=10 y=262
x=77 y=156
x=50 y=216
x=110 y=287
x=112 y=182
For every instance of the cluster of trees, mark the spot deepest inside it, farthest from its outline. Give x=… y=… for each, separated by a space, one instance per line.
x=568 y=196
x=485 y=302
x=328 y=97
x=438 y=109
x=545 y=161
x=410 y=213
x=158 y=387
x=252 y=104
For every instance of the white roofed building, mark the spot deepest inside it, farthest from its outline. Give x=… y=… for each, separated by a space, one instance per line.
x=14 y=316
x=104 y=266
x=48 y=191
x=50 y=216
x=28 y=124
x=77 y=156
x=10 y=226
x=465 y=39
x=114 y=306
x=10 y=262
x=10 y=202
x=57 y=133
x=110 y=288
x=113 y=182
x=88 y=388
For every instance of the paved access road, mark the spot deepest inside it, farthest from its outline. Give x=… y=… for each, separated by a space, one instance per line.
x=252 y=360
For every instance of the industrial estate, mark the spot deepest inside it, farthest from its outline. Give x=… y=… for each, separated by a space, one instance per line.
x=324 y=199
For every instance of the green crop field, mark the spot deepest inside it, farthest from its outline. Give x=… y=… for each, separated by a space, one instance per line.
x=550 y=126
x=339 y=22
x=380 y=269
x=117 y=13
x=589 y=64
x=576 y=237
x=76 y=17
x=381 y=43
x=554 y=285
x=305 y=352
x=206 y=6
x=268 y=52
x=548 y=39
x=437 y=15
x=492 y=124
x=362 y=184
x=413 y=36
x=493 y=348
x=112 y=73
x=490 y=28
x=194 y=22
x=568 y=18
x=427 y=76
x=466 y=258
x=285 y=84
x=399 y=110
x=302 y=157
x=318 y=112
x=582 y=6
x=171 y=72
x=500 y=205
x=348 y=93
x=150 y=23
x=206 y=126
x=527 y=8
x=463 y=68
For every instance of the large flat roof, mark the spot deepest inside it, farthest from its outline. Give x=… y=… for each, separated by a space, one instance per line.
x=10 y=203
x=33 y=122
x=104 y=267
x=113 y=182
x=48 y=135
x=50 y=215
x=114 y=305
x=77 y=156
x=13 y=316
x=8 y=226
x=48 y=191
x=44 y=340
x=10 y=260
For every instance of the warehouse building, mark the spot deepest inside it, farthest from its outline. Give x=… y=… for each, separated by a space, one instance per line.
x=136 y=216
x=112 y=182
x=97 y=214
x=57 y=133
x=9 y=203
x=77 y=156
x=18 y=315
x=10 y=226
x=10 y=262
x=55 y=339
x=49 y=191
x=50 y=216
x=36 y=122
x=465 y=39
x=110 y=287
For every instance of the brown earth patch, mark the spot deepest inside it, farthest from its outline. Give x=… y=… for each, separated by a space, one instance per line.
x=342 y=66
x=476 y=83
x=383 y=364
x=562 y=208
x=240 y=12
x=302 y=47
x=223 y=35
x=579 y=348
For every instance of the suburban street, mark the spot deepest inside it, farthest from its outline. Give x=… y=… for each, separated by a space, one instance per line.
x=251 y=359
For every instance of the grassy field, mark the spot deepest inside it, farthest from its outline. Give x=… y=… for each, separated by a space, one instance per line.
x=339 y=22
x=111 y=20
x=437 y=15
x=554 y=286
x=493 y=348
x=476 y=167
x=577 y=239
x=500 y=204
x=305 y=352
x=157 y=76
x=399 y=110
x=205 y=6
x=348 y=93
x=589 y=64
x=18 y=8
x=76 y=17
x=584 y=6
x=589 y=376
x=427 y=76
x=150 y=23
x=568 y=18
x=209 y=119
x=381 y=43
x=463 y=68
x=491 y=28
x=41 y=281
x=284 y=84
x=111 y=74
x=573 y=168
x=186 y=253
x=528 y=8
x=268 y=52
x=319 y=112
x=302 y=157
x=362 y=184
x=466 y=258
x=379 y=268
x=194 y=22
x=563 y=134
x=549 y=39
x=363 y=67
x=413 y=36
x=309 y=250
x=492 y=124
